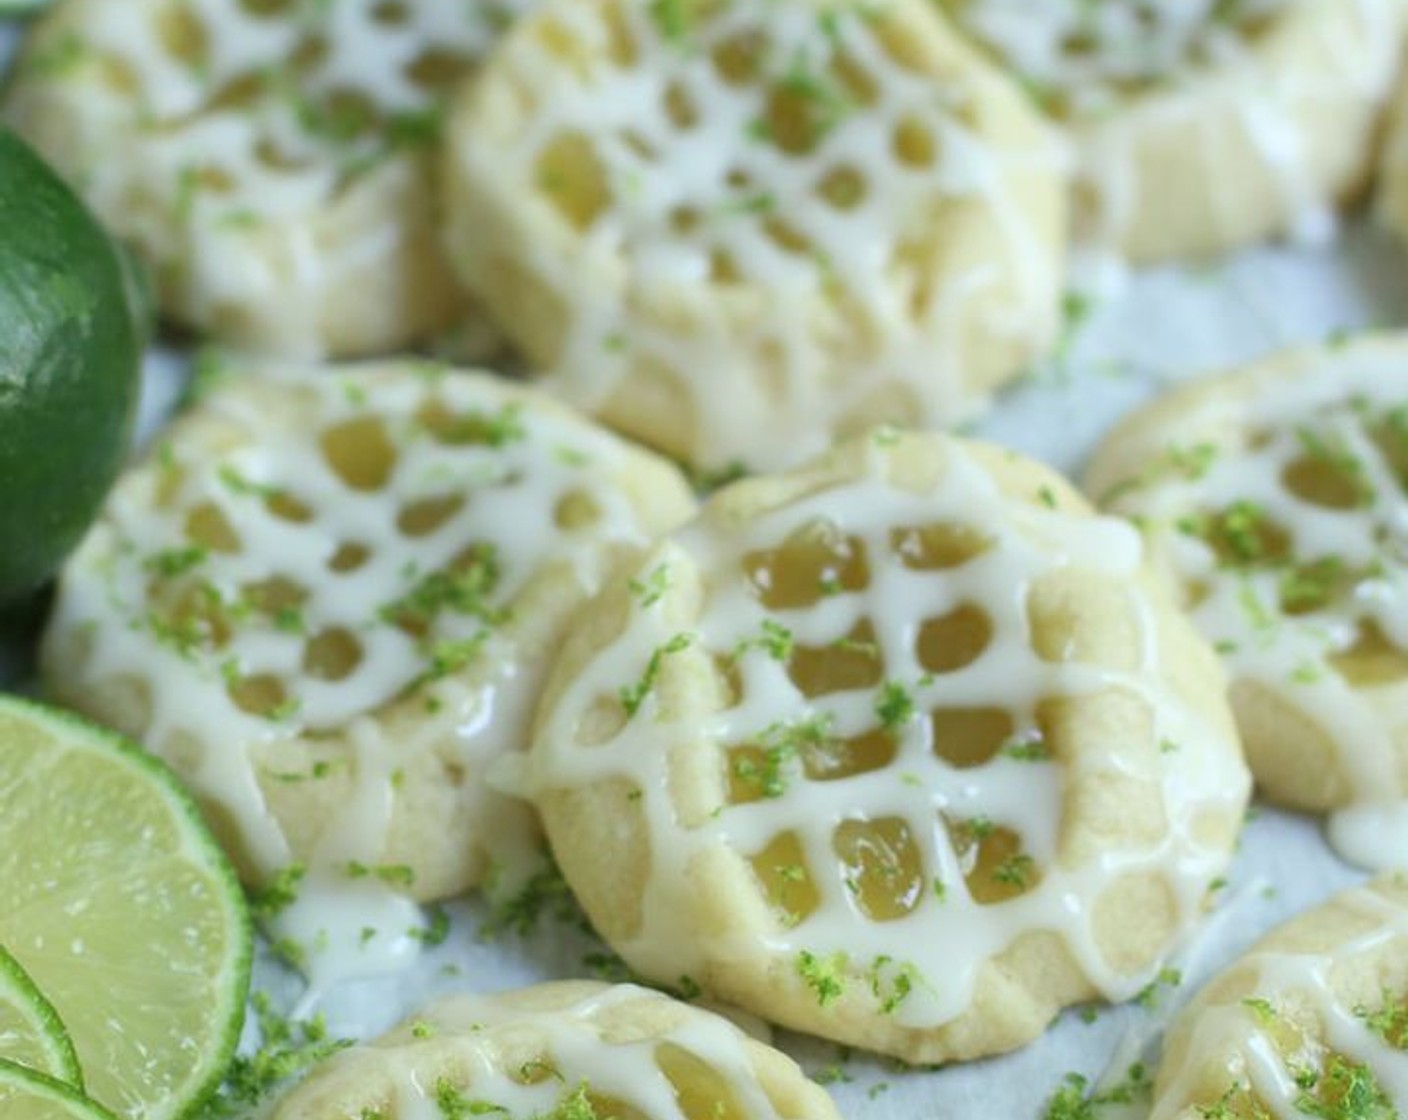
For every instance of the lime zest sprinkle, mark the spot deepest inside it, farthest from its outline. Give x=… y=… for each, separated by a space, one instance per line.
x=392 y=874
x=673 y=19
x=782 y=742
x=287 y=1048
x=894 y=706
x=281 y=892
x=634 y=695
x=1015 y=871
x=825 y=976
x=545 y=893
x=464 y=591
x=173 y=562
x=1390 y=1022
x=774 y=639
x=651 y=588
x=892 y=982
x=1150 y=995
x=1073 y=1101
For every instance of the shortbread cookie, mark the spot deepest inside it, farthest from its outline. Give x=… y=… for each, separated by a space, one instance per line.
x=1313 y=1021
x=1277 y=499
x=271 y=160
x=566 y=1051
x=1201 y=125
x=905 y=749
x=325 y=599
x=736 y=230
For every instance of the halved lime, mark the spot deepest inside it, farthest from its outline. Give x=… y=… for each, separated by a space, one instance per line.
x=31 y=1032
x=28 y=1095
x=122 y=909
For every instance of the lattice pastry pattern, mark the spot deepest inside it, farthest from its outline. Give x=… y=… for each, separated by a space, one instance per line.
x=1079 y=57
x=271 y=158
x=711 y=222
x=1313 y=1021
x=571 y=1049
x=1200 y=126
x=325 y=598
x=904 y=749
x=1276 y=498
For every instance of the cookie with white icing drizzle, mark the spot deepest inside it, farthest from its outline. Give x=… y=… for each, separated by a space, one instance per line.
x=325 y=598
x=906 y=749
x=712 y=223
x=272 y=159
x=1312 y=1021
x=1201 y=125
x=1276 y=498
x=560 y=1051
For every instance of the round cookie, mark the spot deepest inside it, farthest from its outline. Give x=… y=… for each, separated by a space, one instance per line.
x=904 y=749
x=712 y=223
x=326 y=597
x=560 y=1051
x=1312 y=1021
x=1197 y=125
x=1275 y=498
x=272 y=160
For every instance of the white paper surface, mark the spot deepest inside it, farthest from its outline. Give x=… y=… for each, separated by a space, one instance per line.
x=1169 y=324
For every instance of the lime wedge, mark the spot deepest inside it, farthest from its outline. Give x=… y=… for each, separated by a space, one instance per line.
x=31 y=1032
x=28 y=1095
x=122 y=909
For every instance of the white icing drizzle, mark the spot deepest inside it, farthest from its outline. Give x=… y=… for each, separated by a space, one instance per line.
x=590 y=1045
x=1085 y=58
x=1237 y=447
x=346 y=931
x=345 y=555
x=771 y=281
x=941 y=943
x=1093 y=64
x=217 y=137
x=1241 y=1036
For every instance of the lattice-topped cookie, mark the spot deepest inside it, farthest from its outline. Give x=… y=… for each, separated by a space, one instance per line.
x=721 y=223
x=1277 y=498
x=1313 y=1021
x=271 y=158
x=905 y=749
x=1200 y=125
x=326 y=596
x=1078 y=57
x=563 y=1051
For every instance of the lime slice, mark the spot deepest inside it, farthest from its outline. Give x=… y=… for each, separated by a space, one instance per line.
x=31 y=1032
x=123 y=910
x=28 y=1095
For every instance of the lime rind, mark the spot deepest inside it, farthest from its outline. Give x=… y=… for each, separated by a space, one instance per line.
x=228 y=986
x=42 y=1030
x=72 y=354
x=63 y=1100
